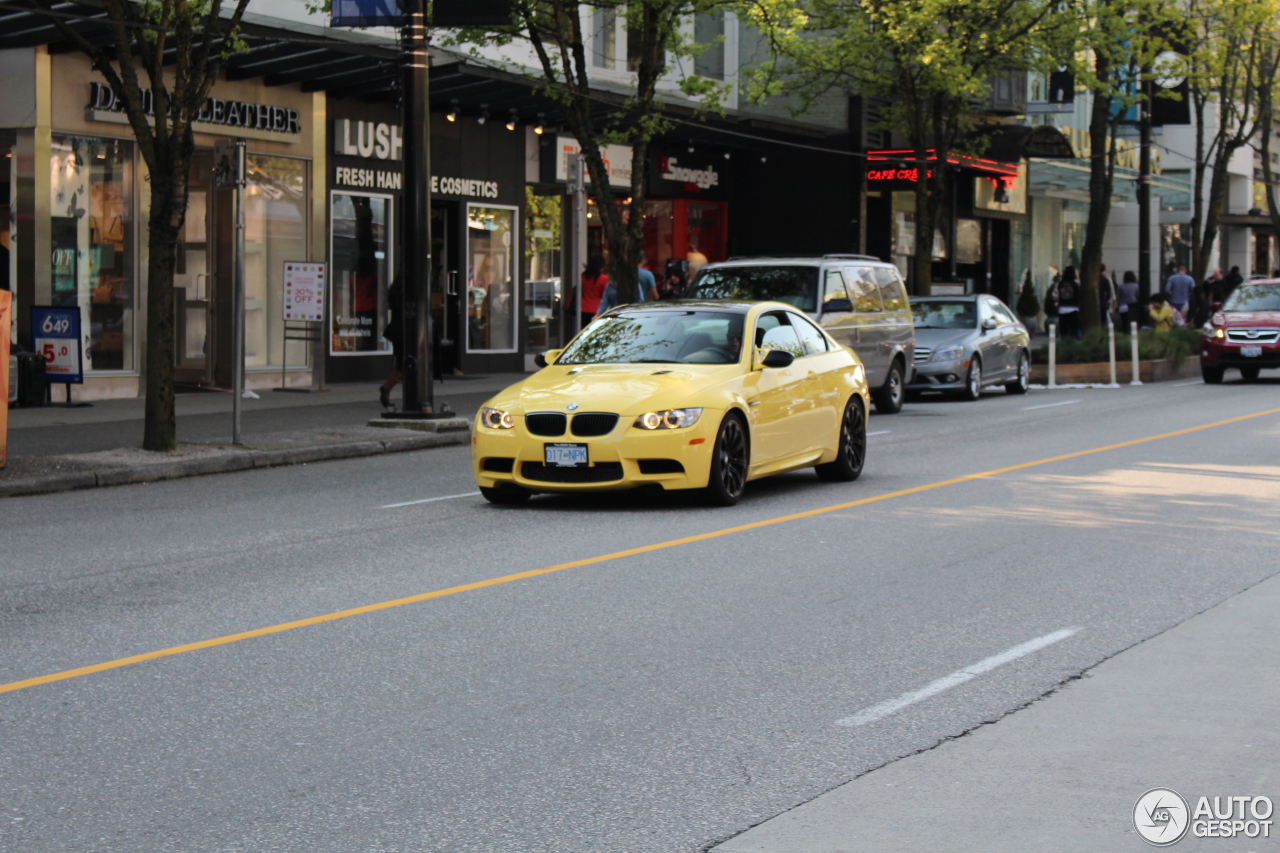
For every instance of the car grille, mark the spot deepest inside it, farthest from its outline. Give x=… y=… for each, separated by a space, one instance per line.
x=1253 y=336
x=593 y=423
x=922 y=355
x=601 y=472
x=545 y=423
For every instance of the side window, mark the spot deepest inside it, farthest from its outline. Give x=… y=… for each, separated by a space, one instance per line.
x=773 y=333
x=813 y=340
x=1003 y=314
x=862 y=284
x=834 y=290
x=892 y=293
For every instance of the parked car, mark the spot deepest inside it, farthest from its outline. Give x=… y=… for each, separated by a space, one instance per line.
x=857 y=299
x=666 y=395
x=1244 y=333
x=966 y=343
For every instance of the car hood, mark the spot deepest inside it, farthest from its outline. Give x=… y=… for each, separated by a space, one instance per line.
x=628 y=389
x=932 y=339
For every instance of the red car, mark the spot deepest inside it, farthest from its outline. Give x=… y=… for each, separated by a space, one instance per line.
x=1244 y=333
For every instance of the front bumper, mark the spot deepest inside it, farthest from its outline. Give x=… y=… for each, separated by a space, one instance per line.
x=626 y=458
x=1218 y=353
x=940 y=375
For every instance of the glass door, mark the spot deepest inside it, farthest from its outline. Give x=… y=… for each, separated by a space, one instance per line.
x=193 y=278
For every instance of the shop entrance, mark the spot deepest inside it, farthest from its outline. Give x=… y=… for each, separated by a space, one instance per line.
x=446 y=304
x=194 y=278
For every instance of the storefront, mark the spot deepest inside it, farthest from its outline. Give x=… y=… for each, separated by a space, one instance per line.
x=78 y=204
x=686 y=214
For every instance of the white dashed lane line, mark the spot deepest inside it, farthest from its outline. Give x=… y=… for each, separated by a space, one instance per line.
x=1050 y=405
x=430 y=500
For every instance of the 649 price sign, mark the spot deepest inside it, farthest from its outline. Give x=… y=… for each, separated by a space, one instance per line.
x=57 y=337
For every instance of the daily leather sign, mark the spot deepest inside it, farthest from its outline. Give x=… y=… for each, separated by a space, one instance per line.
x=261 y=120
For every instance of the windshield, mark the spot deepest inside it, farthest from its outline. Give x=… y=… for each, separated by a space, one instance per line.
x=795 y=285
x=944 y=315
x=669 y=337
x=1254 y=297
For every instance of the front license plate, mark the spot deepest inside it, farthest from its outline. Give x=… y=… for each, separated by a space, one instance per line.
x=566 y=455
x=1251 y=352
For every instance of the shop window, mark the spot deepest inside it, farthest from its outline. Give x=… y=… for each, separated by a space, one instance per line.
x=605 y=30
x=92 y=229
x=361 y=272
x=543 y=291
x=491 y=296
x=276 y=226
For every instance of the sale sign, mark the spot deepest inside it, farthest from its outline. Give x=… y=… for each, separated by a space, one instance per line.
x=57 y=337
x=304 y=291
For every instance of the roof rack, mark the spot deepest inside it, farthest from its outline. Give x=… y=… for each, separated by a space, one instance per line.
x=803 y=256
x=854 y=257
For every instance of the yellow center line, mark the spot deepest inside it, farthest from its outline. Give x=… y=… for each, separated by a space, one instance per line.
x=588 y=561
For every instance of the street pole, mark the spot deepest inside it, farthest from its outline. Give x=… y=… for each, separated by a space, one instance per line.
x=1144 y=195
x=577 y=186
x=237 y=318
x=415 y=230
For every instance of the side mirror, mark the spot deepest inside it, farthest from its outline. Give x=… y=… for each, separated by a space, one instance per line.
x=777 y=358
x=837 y=306
x=989 y=324
x=542 y=359
x=1217 y=306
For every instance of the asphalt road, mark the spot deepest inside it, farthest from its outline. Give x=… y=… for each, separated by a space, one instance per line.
x=674 y=676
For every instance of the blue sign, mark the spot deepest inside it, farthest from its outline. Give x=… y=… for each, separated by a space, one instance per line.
x=56 y=334
x=365 y=13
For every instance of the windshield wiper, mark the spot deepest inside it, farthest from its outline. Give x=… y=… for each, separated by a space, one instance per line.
x=654 y=361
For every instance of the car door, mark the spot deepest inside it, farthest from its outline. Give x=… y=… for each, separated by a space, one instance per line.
x=774 y=393
x=1013 y=333
x=991 y=342
x=821 y=404
x=859 y=328
x=898 y=334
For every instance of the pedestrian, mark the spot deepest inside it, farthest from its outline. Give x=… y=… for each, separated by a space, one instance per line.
x=673 y=279
x=1179 y=287
x=1232 y=280
x=394 y=333
x=1127 y=298
x=1161 y=312
x=1051 y=298
x=1201 y=306
x=648 y=286
x=1069 y=304
x=594 y=282
x=1106 y=296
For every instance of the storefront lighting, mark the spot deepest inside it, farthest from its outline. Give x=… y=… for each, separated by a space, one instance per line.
x=764 y=159
x=452 y=115
x=539 y=128
x=484 y=114
x=512 y=119
x=726 y=155
x=691 y=149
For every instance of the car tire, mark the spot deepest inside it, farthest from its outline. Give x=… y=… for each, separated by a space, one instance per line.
x=889 y=396
x=505 y=495
x=730 y=460
x=1250 y=374
x=973 y=380
x=851 y=452
x=1212 y=375
x=1022 y=381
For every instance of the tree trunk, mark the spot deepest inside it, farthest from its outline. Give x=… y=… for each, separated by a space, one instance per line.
x=1100 y=186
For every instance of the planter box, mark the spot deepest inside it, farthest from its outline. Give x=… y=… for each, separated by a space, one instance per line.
x=1099 y=373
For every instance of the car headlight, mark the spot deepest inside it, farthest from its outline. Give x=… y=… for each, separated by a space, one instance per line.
x=949 y=354
x=496 y=418
x=669 y=419
x=1211 y=331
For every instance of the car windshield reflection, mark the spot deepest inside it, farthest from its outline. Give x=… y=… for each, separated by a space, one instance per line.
x=659 y=337
x=1254 y=297
x=944 y=315
x=792 y=284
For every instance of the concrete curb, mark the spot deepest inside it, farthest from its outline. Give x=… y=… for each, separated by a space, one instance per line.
x=234 y=461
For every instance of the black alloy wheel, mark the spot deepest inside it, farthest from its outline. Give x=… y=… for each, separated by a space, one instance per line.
x=730 y=458
x=1250 y=374
x=847 y=466
x=888 y=397
x=973 y=380
x=1212 y=375
x=505 y=495
x=1022 y=381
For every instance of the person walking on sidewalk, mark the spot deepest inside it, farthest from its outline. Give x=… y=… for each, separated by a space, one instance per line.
x=594 y=282
x=394 y=333
x=1128 y=299
x=1069 y=304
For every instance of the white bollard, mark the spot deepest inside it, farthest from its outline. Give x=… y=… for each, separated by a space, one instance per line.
x=1111 y=344
x=1053 y=355
x=1133 y=346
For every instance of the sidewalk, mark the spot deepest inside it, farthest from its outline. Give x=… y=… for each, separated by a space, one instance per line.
x=55 y=448
x=1194 y=709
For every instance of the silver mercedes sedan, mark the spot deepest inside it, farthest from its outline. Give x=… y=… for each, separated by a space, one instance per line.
x=967 y=343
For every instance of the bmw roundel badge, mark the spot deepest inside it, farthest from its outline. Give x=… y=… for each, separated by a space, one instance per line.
x=573 y=407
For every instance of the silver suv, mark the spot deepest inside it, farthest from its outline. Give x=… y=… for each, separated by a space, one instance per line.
x=858 y=299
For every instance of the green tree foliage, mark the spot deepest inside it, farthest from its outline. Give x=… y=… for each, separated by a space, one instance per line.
x=198 y=35
x=930 y=60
